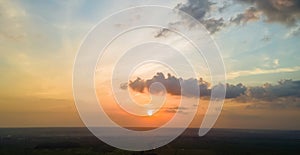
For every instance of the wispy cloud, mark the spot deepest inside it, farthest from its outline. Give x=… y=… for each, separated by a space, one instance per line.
x=293 y=32
x=258 y=71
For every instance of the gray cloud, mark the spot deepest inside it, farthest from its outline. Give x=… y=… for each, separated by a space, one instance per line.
x=286 y=12
x=282 y=11
x=284 y=94
x=173 y=85
x=198 y=9
x=233 y=91
x=213 y=25
x=185 y=87
x=251 y=14
x=284 y=88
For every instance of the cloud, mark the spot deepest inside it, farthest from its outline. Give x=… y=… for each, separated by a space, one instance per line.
x=233 y=91
x=286 y=12
x=172 y=85
x=257 y=71
x=13 y=19
x=282 y=11
x=285 y=94
x=284 y=88
x=278 y=103
x=198 y=9
x=293 y=32
x=251 y=14
x=176 y=110
x=195 y=8
x=137 y=85
x=213 y=25
x=186 y=87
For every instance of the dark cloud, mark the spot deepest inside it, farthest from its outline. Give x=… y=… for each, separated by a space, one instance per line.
x=196 y=8
x=282 y=11
x=199 y=10
x=137 y=85
x=172 y=85
x=186 y=87
x=213 y=25
x=233 y=91
x=284 y=88
x=285 y=94
x=286 y=12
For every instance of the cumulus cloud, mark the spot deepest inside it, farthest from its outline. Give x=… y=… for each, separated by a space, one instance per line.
x=173 y=85
x=284 y=94
x=282 y=11
x=284 y=88
x=186 y=87
x=233 y=91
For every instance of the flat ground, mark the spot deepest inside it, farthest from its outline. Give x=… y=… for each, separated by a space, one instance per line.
x=71 y=141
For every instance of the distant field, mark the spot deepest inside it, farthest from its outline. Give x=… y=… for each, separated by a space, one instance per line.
x=80 y=141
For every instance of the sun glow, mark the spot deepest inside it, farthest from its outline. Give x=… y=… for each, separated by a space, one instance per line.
x=150 y=112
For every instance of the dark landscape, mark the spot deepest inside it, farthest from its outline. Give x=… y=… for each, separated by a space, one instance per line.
x=80 y=141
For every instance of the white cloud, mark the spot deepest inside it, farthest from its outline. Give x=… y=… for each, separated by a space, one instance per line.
x=293 y=32
x=258 y=71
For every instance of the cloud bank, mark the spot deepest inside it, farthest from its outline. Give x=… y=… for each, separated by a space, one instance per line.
x=286 y=93
x=180 y=86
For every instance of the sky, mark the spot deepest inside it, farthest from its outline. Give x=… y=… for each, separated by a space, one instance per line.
x=258 y=41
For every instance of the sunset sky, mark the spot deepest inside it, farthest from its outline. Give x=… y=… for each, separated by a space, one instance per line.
x=258 y=40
